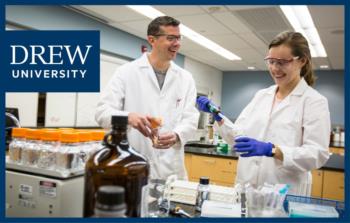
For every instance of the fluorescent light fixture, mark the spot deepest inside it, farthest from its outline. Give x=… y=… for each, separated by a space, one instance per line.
x=153 y=13
x=300 y=18
x=251 y=68
x=324 y=66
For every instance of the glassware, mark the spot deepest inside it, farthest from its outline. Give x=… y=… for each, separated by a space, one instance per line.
x=48 y=149
x=203 y=192
x=116 y=164
x=154 y=202
x=110 y=202
x=31 y=149
x=17 y=144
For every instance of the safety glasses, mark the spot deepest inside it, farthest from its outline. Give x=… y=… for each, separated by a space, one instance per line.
x=281 y=63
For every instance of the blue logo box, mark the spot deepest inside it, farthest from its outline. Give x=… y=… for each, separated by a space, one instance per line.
x=51 y=61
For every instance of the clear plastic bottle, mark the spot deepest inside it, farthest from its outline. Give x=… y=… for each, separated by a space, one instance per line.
x=17 y=144
x=68 y=158
x=202 y=192
x=97 y=139
x=48 y=149
x=85 y=145
x=110 y=202
x=31 y=149
x=117 y=163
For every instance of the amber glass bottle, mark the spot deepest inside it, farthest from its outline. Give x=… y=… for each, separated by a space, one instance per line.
x=117 y=163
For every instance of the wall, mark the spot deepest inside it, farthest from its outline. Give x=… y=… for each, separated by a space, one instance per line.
x=57 y=18
x=239 y=88
x=208 y=79
x=209 y=82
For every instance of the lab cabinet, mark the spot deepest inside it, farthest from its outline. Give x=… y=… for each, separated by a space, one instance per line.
x=317 y=183
x=188 y=160
x=221 y=171
x=337 y=150
x=326 y=184
x=333 y=185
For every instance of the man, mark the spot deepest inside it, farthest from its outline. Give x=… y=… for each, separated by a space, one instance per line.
x=154 y=86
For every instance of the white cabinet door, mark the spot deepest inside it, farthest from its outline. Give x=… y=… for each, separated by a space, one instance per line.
x=27 y=104
x=87 y=102
x=60 y=109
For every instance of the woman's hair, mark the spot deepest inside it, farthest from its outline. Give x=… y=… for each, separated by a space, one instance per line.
x=300 y=48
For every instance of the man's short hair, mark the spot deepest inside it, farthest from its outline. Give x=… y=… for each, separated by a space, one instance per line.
x=154 y=26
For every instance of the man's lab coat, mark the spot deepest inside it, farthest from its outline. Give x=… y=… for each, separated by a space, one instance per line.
x=134 y=88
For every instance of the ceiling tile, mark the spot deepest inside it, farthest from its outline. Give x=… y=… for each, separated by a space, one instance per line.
x=204 y=24
x=115 y=13
x=327 y=16
x=232 y=22
x=179 y=10
x=212 y=9
x=253 y=40
x=246 y=7
x=230 y=42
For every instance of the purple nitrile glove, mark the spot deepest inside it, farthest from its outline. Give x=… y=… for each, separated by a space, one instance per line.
x=204 y=105
x=252 y=147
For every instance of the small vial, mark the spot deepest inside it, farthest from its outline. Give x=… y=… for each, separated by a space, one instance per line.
x=203 y=192
x=110 y=202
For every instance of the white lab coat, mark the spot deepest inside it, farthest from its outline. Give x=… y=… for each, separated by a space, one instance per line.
x=134 y=88
x=300 y=126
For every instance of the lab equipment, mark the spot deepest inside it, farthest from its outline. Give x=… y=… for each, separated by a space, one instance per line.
x=117 y=163
x=206 y=105
x=154 y=199
x=186 y=192
x=300 y=210
x=338 y=205
x=32 y=192
x=215 y=209
x=266 y=200
x=202 y=192
x=178 y=211
x=110 y=202
x=17 y=144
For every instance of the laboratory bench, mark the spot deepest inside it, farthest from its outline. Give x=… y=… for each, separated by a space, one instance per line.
x=221 y=167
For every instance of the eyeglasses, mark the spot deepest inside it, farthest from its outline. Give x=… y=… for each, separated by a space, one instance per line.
x=171 y=38
x=281 y=63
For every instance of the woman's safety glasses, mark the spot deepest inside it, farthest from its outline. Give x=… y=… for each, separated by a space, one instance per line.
x=280 y=63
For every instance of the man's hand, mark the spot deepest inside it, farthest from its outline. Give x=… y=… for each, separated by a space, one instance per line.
x=166 y=140
x=140 y=122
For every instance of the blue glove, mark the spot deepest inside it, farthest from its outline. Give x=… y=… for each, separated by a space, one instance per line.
x=252 y=147
x=204 y=105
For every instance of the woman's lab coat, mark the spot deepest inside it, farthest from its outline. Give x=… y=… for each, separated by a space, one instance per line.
x=300 y=126
x=134 y=88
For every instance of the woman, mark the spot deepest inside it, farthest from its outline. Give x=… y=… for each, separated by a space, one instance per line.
x=286 y=127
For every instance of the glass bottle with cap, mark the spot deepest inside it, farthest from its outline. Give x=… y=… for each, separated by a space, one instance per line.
x=117 y=163
x=17 y=144
x=49 y=147
x=110 y=202
x=202 y=192
x=31 y=149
